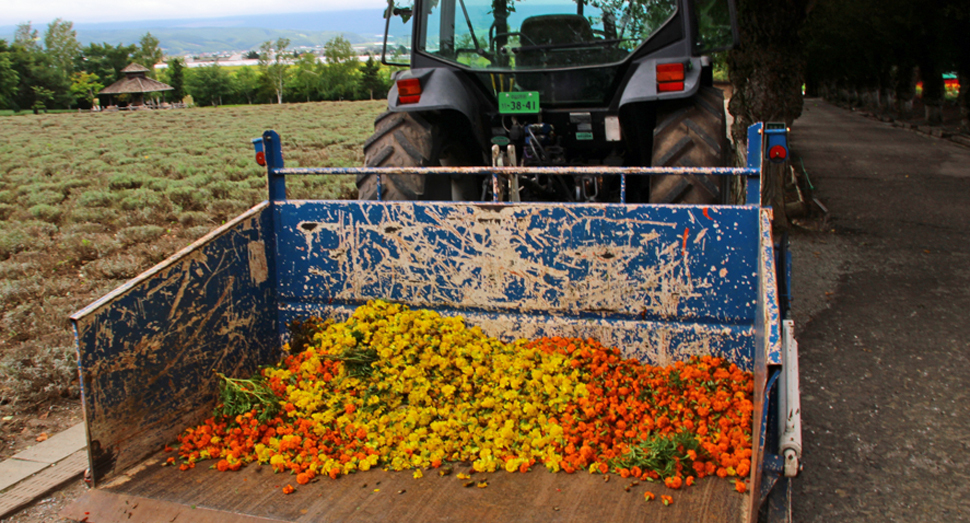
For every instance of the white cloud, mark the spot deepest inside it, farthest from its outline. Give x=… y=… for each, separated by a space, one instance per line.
x=41 y=12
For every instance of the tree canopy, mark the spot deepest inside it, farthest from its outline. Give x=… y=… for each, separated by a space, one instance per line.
x=53 y=71
x=148 y=53
x=874 y=51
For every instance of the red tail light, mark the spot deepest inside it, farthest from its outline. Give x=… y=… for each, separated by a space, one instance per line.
x=409 y=91
x=670 y=72
x=667 y=87
x=670 y=77
x=778 y=152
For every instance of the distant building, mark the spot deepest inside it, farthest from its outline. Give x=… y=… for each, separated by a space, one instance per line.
x=135 y=84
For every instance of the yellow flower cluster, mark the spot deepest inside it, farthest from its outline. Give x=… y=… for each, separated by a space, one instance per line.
x=431 y=390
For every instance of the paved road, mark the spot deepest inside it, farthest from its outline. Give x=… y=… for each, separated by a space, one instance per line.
x=885 y=355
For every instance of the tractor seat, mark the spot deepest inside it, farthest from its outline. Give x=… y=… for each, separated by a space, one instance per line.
x=555 y=29
x=552 y=30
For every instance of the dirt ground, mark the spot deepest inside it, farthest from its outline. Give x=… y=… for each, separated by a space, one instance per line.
x=25 y=427
x=881 y=284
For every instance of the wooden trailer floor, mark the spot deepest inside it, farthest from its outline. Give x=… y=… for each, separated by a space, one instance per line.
x=151 y=493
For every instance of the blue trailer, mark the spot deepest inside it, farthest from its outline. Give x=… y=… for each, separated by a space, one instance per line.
x=660 y=282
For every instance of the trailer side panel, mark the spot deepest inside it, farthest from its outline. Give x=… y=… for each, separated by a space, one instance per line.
x=147 y=352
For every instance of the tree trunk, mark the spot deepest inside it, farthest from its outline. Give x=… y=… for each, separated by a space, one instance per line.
x=767 y=71
x=963 y=72
x=964 y=101
x=905 y=91
x=883 y=82
x=962 y=44
x=934 y=90
x=773 y=192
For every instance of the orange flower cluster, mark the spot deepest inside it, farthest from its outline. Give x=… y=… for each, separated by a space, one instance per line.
x=303 y=445
x=677 y=423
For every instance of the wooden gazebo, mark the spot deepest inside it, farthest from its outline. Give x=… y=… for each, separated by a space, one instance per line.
x=136 y=84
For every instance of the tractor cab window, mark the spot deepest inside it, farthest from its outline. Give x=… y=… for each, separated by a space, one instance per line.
x=714 y=30
x=397 y=32
x=538 y=34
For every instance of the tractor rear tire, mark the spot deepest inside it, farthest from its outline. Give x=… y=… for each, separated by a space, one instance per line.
x=404 y=140
x=691 y=133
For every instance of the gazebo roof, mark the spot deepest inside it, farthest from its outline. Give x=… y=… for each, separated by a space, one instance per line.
x=135 y=67
x=135 y=81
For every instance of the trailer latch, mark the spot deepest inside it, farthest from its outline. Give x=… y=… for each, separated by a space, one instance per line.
x=776 y=141
x=260 y=155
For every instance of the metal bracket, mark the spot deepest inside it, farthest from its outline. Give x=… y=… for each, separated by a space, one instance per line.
x=789 y=403
x=506 y=159
x=771 y=469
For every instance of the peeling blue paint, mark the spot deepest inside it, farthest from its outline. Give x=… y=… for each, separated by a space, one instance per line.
x=653 y=280
x=147 y=352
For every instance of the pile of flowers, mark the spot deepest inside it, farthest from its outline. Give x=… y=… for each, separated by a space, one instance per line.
x=402 y=389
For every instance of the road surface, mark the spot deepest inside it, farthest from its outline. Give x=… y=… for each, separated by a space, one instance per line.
x=884 y=343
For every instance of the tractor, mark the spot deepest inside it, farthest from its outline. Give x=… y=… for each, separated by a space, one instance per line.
x=546 y=83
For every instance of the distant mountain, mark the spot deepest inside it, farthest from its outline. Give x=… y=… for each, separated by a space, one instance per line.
x=199 y=40
x=238 y=33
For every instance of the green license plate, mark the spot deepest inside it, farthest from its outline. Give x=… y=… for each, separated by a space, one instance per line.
x=518 y=103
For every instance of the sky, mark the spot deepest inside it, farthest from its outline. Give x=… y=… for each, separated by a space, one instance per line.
x=41 y=12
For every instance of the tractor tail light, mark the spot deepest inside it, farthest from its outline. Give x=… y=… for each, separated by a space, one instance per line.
x=670 y=77
x=409 y=91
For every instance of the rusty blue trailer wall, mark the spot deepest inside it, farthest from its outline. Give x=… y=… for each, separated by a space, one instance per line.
x=659 y=282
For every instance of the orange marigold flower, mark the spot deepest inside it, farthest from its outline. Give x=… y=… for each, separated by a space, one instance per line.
x=740 y=486
x=649 y=496
x=288 y=489
x=673 y=482
x=303 y=478
x=744 y=468
x=667 y=500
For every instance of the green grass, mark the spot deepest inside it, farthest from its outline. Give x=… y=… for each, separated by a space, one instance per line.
x=88 y=200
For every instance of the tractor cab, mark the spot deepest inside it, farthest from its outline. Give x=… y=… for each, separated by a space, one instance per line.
x=552 y=82
x=519 y=45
